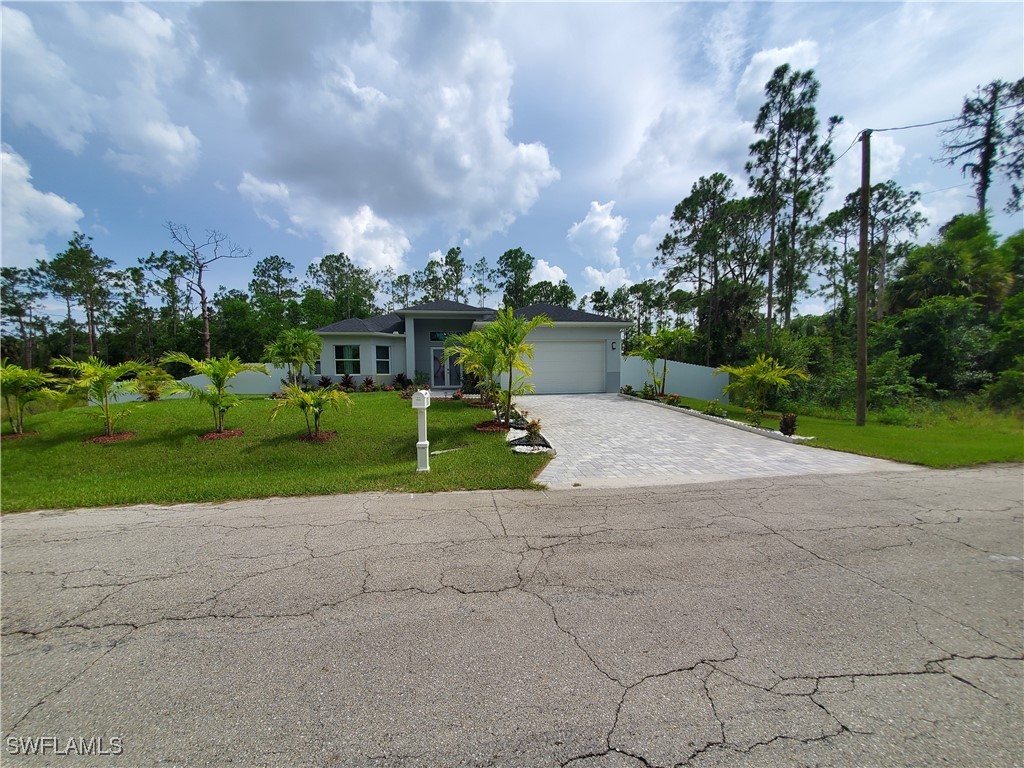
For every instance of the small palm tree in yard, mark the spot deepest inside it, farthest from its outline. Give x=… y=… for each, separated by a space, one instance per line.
x=220 y=371
x=313 y=404
x=659 y=345
x=102 y=384
x=21 y=386
x=296 y=347
x=507 y=334
x=757 y=382
x=477 y=357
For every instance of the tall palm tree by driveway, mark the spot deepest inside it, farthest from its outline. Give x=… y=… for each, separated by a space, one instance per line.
x=507 y=334
x=477 y=356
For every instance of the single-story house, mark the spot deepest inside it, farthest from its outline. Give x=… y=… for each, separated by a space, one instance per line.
x=581 y=352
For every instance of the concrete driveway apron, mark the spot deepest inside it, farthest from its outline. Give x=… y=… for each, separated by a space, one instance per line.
x=605 y=441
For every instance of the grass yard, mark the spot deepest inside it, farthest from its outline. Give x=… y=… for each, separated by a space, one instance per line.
x=166 y=462
x=957 y=436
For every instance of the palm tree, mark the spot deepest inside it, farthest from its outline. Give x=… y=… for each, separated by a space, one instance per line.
x=102 y=384
x=478 y=357
x=21 y=386
x=312 y=403
x=507 y=335
x=659 y=345
x=759 y=381
x=295 y=348
x=220 y=371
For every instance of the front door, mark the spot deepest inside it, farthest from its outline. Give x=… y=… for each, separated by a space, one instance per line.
x=446 y=373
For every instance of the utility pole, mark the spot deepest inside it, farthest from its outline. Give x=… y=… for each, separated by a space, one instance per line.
x=862 y=279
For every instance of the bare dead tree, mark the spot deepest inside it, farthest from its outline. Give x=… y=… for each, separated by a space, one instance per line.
x=197 y=256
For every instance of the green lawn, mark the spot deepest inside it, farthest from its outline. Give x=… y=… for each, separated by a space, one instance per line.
x=955 y=437
x=166 y=462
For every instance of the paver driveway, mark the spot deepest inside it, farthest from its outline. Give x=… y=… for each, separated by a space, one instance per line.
x=609 y=441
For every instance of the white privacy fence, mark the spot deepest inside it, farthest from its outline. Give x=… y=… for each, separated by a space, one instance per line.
x=683 y=379
x=245 y=383
x=250 y=382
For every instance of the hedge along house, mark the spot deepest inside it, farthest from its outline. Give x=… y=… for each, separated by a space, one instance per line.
x=581 y=352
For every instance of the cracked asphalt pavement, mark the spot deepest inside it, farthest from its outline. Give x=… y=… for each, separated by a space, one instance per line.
x=845 y=620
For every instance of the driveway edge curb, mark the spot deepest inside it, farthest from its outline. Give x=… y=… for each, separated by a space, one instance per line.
x=771 y=435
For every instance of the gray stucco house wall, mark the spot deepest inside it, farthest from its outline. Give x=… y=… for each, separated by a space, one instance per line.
x=582 y=352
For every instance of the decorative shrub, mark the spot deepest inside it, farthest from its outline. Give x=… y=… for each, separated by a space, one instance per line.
x=368 y=385
x=401 y=381
x=324 y=382
x=713 y=408
x=421 y=380
x=152 y=382
x=626 y=389
x=673 y=400
x=388 y=388
x=533 y=427
x=787 y=424
x=457 y=394
x=347 y=383
x=649 y=392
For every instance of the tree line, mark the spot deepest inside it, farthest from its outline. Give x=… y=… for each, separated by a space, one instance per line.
x=166 y=301
x=947 y=315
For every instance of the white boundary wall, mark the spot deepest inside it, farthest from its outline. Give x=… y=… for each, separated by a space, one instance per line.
x=245 y=383
x=250 y=382
x=683 y=379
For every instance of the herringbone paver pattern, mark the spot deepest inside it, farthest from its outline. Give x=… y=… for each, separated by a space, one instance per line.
x=608 y=441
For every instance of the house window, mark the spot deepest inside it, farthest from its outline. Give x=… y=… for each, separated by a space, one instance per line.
x=316 y=368
x=346 y=359
x=439 y=335
x=384 y=361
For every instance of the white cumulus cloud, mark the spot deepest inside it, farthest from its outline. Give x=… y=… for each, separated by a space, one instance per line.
x=801 y=55
x=611 y=279
x=542 y=270
x=597 y=235
x=30 y=215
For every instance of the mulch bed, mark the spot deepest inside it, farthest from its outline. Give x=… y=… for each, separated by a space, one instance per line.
x=17 y=435
x=491 y=426
x=222 y=435
x=117 y=437
x=530 y=442
x=323 y=438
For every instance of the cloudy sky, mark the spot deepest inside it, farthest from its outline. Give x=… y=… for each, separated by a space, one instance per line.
x=391 y=131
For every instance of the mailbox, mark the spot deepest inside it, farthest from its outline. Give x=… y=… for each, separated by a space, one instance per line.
x=421 y=401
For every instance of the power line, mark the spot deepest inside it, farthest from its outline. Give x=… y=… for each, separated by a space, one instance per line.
x=916 y=125
x=852 y=143
x=945 y=189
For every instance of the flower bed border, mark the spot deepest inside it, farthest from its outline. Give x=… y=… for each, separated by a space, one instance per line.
x=764 y=432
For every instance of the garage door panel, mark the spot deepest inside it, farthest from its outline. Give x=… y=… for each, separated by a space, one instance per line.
x=568 y=367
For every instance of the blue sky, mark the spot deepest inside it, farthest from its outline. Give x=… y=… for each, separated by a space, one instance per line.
x=391 y=131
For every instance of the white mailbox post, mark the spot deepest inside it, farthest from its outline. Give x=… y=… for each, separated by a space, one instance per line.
x=420 y=402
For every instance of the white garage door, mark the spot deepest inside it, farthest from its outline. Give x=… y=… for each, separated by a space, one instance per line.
x=563 y=367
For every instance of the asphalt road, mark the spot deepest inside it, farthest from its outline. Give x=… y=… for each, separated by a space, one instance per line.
x=853 y=620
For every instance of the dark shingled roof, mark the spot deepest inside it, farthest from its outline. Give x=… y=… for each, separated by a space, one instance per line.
x=382 y=324
x=565 y=315
x=444 y=306
x=395 y=322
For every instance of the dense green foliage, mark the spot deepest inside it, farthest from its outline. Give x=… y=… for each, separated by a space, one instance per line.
x=374 y=451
